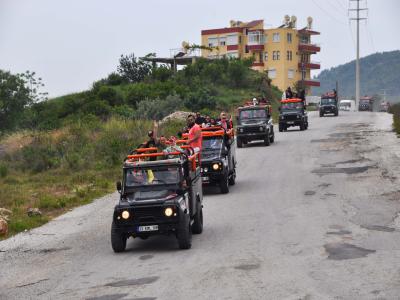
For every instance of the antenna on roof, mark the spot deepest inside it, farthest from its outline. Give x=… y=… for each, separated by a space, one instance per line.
x=286 y=20
x=293 y=20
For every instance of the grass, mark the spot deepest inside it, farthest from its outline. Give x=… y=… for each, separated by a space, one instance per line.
x=395 y=110
x=62 y=169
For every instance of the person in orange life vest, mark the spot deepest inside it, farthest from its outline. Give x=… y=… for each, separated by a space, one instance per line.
x=195 y=138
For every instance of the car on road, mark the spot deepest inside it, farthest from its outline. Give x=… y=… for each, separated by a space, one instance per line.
x=292 y=113
x=218 y=158
x=329 y=104
x=254 y=123
x=366 y=104
x=162 y=196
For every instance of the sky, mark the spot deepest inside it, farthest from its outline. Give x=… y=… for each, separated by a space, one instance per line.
x=72 y=43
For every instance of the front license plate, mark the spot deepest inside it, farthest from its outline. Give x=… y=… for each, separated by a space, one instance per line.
x=148 y=228
x=291 y=122
x=205 y=178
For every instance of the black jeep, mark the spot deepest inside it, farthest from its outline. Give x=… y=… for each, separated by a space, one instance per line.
x=158 y=197
x=292 y=113
x=254 y=123
x=329 y=104
x=218 y=159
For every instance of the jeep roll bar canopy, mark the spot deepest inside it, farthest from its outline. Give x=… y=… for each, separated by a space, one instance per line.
x=145 y=153
x=292 y=100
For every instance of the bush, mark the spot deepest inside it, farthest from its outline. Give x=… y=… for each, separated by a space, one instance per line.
x=110 y=95
x=3 y=170
x=158 y=108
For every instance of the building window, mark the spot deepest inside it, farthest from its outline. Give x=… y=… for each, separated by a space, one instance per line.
x=232 y=55
x=212 y=42
x=289 y=55
x=290 y=73
x=276 y=55
x=232 y=39
x=289 y=38
x=255 y=38
x=222 y=41
x=266 y=56
x=272 y=73
x=276 y=38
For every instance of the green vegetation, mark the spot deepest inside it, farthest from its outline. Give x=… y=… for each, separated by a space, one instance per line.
x=395 y=110
x=378 y=71
x=59 y=153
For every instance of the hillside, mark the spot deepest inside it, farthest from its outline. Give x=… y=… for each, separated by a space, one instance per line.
x=378 y=71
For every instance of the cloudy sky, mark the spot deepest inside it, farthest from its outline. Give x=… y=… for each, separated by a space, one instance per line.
x=71 y=43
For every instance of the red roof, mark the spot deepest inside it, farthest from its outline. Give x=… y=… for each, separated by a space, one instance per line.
x=254 y=23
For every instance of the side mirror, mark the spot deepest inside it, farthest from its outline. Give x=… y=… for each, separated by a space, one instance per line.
x=280 y=109
x=119 y=186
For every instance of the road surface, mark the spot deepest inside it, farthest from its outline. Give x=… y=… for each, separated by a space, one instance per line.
x=313 y=216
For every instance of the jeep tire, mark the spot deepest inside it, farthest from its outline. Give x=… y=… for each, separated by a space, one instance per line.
x=266 y=140
x=302 y=126
x=232 y=178
x=321 y=114
x=224 y=184
x=239 y=143
x=184 y=233
x=272 y=137
x=197 y=226
x=280 y=127
x=118 y=240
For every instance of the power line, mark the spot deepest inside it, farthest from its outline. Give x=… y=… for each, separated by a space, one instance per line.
x=327 y=13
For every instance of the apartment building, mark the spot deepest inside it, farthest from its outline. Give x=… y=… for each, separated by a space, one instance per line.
x=284 y=52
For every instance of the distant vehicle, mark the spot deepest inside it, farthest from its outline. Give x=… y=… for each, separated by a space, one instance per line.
x=384 y=106
x=254 y=123
x=158 y=197
x=292 y=113
x=218 y=158
x=347 y=105
x=366 y=104
x=329 y=104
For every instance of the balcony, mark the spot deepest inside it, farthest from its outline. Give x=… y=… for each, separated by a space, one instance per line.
x=309 y=65
x=312 y=48
x=257 y=64
x=255 y=47
x=310 y=82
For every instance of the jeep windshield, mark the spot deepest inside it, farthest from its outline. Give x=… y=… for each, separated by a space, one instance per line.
x=156 y=177
x=292 y=106
x=328 y=101
x=252 y=114
x=211 y=147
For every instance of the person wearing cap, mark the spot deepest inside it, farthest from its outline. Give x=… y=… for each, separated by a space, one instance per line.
x=199 y=119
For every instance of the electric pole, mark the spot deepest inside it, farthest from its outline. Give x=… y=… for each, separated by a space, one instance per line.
x=357 y=19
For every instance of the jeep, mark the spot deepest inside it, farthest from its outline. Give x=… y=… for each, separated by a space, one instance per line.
x=292 y=113
x=254 y=123
x=161 y=196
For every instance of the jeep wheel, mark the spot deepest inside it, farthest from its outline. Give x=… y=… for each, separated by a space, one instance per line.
x=239 y=143
x=118 y=241
x=224 y=185
x=280 y=128
x=232 y=178
x=197 y=226
x=184 y=234
x=266 y=141
x=321 y=114
x=272 y=137
x=302 y=126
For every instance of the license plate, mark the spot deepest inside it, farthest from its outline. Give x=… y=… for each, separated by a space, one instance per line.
x=290 y=122
x=205 y=178
x=148 y=228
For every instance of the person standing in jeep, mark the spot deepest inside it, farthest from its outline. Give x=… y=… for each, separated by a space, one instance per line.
x=195 y=139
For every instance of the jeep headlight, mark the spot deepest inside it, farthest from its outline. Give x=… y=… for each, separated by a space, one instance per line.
x=282 y=117
x=261 y=128
x=168 y=211
x=240 y=129
x=125 y=214
x=298 y=117
x=215 y=166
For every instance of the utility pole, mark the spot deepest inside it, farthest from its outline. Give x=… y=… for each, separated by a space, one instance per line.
x=357 y=19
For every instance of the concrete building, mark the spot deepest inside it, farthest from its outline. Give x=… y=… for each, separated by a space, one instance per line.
x=284 y=52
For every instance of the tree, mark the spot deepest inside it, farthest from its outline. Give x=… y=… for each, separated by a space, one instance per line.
x=34 y=85
x=133 y=69
x=14 y=96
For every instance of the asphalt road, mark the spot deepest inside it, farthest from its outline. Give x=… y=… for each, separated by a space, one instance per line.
x=313 y=216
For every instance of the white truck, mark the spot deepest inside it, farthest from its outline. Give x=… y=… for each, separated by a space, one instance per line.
x=347 y=105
